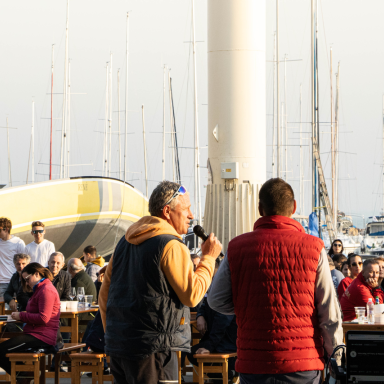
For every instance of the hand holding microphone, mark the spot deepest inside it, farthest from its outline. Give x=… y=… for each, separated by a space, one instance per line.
x=211 y=245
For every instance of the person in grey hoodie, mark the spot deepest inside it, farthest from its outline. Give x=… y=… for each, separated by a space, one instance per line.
x=94 y=263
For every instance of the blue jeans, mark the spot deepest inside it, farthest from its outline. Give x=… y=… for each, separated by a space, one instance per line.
x=306 y=377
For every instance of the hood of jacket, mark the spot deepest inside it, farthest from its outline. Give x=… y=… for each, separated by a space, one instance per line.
x=278 y=222
x=99 y=261
x=148 y=227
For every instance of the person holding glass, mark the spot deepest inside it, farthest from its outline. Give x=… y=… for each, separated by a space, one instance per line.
x=41 y=317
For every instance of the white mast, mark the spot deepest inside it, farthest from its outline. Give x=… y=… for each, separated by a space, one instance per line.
x=118 y=117
x=63 y=126
x=164 y=96
x=313 y=118
x=110 y=119
x=278 y=89
x=51 y=133
x=383 y=155
x=126 y=103
x=274 y=112
x=337 y=124
x=33 y=143
x=334 y=213
x=9 y=158
x=301 y=161
x=145 y=153
x=285 y=117
x=106 y=125
x=172 y=127
x=197 y=162
x=68 y=139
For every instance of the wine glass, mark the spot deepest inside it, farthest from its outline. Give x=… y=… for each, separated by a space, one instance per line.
x=72 y=293
x=80 y=294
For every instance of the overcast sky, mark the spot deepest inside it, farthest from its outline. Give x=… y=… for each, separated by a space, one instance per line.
x=159 y=34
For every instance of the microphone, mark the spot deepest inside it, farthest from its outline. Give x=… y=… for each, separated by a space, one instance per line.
x=198 y=230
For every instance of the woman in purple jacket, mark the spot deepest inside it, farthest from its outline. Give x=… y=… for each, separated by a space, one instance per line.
x=42 y=315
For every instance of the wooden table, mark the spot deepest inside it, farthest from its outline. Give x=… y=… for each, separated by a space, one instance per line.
x=361 y=327
x=73 y=317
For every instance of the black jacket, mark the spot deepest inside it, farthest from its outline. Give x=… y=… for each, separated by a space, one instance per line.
x=62 y=283
x=144 y=314
x=221 y=334
x=81 y=279
x=15 y=290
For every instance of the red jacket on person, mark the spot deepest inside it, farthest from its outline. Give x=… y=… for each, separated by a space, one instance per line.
x=344 y=284
x=357 y=295
x=43 y=313
x=273 y=272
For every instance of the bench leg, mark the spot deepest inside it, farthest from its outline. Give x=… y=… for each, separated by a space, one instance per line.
x=100 y=372
x=42 y=370
x=36 y=374
x=225 y=371
x=57 y=367
x=201 y=373
x=76 y=373
x=13 y=372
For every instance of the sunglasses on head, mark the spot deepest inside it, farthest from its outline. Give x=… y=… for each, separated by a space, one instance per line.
x=27 y=278
x=181 y=191
x=355 y=264
x=37 y=231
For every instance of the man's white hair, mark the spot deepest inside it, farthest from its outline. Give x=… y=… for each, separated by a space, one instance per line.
x=73 y=266
x=57 y=254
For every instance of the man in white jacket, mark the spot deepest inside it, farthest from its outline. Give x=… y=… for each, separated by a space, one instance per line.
x=9 y=246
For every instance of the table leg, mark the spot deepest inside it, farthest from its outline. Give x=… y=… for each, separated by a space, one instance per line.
x=75 y=329
x=225 y=371
x=201 y=373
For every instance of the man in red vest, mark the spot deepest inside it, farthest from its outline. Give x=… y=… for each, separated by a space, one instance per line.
x=277 y=281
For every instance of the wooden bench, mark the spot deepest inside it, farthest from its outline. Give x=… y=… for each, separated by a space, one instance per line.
x=28 y=362
x=210 y=358
x=96 y=367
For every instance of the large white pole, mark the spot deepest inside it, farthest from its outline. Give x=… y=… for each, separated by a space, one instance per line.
x=63 y=125
x=110 y=119
x=383 y=156
x=51 y=133
x=301 y=159
x=313 y=119
x=197 y=162
x=236 y=115
x=172 y=127
x=126 y=103
x=337 y=125
x=278 y=89
x=285 y=118
x=33 y=143
x=334 y=213
x=145 y=153
x=164 y=97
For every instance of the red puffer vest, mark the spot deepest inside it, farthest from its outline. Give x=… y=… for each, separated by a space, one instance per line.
x=273 y=273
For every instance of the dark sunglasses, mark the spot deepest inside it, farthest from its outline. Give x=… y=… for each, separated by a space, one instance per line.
x=337 y=245
x=355 y=264
x=37 y=231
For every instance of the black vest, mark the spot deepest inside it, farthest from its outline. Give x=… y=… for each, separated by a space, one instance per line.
x=144 y=314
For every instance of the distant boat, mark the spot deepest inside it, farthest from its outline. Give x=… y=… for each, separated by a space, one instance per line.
x=76 y=211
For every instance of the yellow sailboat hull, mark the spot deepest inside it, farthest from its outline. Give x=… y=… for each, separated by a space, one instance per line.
x=76 y=212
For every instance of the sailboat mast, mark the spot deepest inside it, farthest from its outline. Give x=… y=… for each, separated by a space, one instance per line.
x=337 y=124
x=118 y=118
x=9 y=158
x=164 y=96
x=63 y=125
x=278 y=89
x=197 y=162
x=285 y=118
x=334 y=213
x=50 y=141
x=68 y=139
x=145 y=153
x=106 y=124
x=383 y=157
x=274 y=106
x=110 y=119
x=313 y=119
x=33 y=143
x=172 y=129
x=301 y=159
x=126 y=102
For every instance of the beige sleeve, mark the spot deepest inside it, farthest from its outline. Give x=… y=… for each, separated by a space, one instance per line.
x=103 y=294
x=177 y=267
